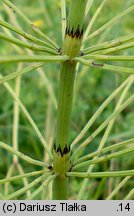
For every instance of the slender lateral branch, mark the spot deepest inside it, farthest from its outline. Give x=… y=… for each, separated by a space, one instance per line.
x=18 y=73
x=111 y=123
x=104 y=150
x=33 y=58
x=35 y=28
x=17 y=177
x=22 y=156
x=104 y=158
x=119 y=186
x=16 y=115
x=8 y=175
x=88 y=6
x=29 y=118
x=103 y=125
x=108 y=44
x=109 y=57
x=101 y=174
x=25 y=35
x=102 y=143
x=63 y=17
x=30 y=52
x=15 y=132
x=42 y=187
x=93 y=19
x=108 y=24
x=130 y=195
x=116 y=48
x=105 y=66
x=27 y=45
x=99 y=111
x=24 y=189
x=24 y=180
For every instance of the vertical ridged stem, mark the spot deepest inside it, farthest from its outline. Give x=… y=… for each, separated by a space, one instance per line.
x=71 y=47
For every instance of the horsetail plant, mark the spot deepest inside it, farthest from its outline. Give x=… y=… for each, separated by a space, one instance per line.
x=66 y=158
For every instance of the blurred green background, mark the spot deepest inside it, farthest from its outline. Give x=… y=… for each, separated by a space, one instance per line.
x=93 y=86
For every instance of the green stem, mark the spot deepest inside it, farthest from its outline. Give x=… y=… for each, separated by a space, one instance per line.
x=71 y=48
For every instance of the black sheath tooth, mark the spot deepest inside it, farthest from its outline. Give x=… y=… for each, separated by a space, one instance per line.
x=61 y=152
x=71 y=33
x=54 y=146
x=50 y=167
x=78 y=33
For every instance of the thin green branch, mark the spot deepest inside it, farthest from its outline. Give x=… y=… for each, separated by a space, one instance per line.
x=88 y=6
x=24 y=189
x=29 y=119
x=109 y=23
x=130 y=195
x=100 y=189
x=18 y=73
x=35 y=28
x=22 y=156
x=41 y=187
x=45 y=13
x=88 y=29
x=33 y=58
x=119 y=186
x=43 y=76
x=109 y=57
x=21 y=171
x=16 y=114
x=99 y=111
x=17 y=177
x=111 y=123
x=15 y=135
x=103 y=125
x=104 y=150
x=104 y=158
x=27 y=45
x=8 y=175
x=101 y=174
x=24 y=34
x=108 y=44
x=63 y=17
x=101 y=145
x=113 y=68
x=116 y=48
